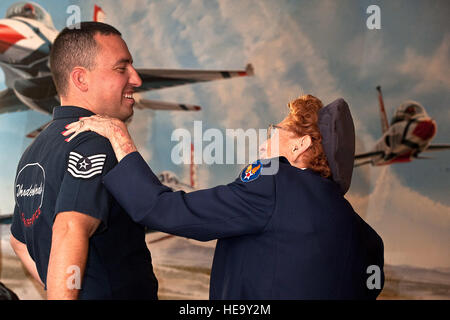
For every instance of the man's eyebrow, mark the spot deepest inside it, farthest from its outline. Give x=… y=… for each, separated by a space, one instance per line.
x=124 y=60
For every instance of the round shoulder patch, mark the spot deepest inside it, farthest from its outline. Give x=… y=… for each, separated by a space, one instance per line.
x=251 y=172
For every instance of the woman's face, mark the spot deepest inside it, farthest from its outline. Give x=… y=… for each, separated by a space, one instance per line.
x=280 y=142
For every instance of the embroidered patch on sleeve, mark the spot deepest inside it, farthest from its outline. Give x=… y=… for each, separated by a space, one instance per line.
x=85 y=167
x=251 y=172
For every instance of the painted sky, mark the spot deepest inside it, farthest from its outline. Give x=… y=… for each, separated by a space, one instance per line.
x=318 y=47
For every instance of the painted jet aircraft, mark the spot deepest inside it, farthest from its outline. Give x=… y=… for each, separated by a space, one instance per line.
x=26 y=37
x=409 y=134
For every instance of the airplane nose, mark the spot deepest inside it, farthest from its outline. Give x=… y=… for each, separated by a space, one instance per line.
x=8 y=37
x=425 y=129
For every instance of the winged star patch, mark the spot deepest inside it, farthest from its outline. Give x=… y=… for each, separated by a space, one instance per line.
x=251 y=172
x=85 y=167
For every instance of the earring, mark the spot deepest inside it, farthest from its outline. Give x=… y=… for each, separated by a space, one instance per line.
x=294 y=149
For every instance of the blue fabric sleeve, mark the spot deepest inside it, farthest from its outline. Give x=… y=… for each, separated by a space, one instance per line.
x=16 y=228
x=83 y=191
x=224 y=211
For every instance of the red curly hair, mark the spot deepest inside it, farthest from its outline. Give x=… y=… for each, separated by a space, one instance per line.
x=303 y=120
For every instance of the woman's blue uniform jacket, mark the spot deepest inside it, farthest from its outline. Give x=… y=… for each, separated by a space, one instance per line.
x=289 y=235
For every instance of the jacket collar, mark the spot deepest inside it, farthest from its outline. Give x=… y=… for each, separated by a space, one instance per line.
x=61 y=112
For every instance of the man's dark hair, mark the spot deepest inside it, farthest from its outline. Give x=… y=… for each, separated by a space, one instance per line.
x=76 y=47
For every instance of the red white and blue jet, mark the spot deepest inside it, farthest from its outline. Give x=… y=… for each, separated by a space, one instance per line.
x=409 y=134
x=26 y=37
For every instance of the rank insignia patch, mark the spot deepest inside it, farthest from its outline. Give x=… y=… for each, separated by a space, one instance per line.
x=251 y=172
x=85 y=167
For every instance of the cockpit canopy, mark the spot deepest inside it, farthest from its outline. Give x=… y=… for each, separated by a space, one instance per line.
x=408 y=110
x=30 y=10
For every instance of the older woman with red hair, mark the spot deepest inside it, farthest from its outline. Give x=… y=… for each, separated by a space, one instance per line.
x=282 y=234
x=301 y=134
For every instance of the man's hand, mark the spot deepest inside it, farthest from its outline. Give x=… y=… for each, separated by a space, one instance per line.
x=113 y=129
x=70 y=244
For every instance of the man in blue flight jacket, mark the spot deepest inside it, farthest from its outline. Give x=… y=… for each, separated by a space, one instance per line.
x=286 y=235
x=69 y=232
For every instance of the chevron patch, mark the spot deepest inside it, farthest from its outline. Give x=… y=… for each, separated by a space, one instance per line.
x=83 y=167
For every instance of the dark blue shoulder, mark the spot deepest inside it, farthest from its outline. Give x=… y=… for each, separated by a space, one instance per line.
x=92 y=142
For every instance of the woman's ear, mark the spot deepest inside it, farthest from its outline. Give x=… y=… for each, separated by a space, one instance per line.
x=299 y=146
x=79 y=78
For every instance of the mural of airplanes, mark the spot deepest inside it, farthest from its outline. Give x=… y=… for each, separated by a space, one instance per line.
x=26 y=37
x=409 y=134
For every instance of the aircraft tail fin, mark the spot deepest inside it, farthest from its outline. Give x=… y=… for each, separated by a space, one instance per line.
x=249 y=70
x=384 y=121
x=99 y=14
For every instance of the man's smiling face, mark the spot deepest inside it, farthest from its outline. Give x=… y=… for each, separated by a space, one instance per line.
x=113 y=79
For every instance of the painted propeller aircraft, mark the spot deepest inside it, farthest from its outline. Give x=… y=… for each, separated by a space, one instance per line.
x=409 y=134
x=26 y=37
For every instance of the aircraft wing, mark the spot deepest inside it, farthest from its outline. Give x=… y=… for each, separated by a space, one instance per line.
x=161 y=105
x=9 y=102
x=164 y=78
x=40 y=91
x=368 y=154
x=41 y=94
x=140 y=104
x=35 y=133
x=6 y=219
x=365 y=156
x=437 y=147
x=362 y=163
